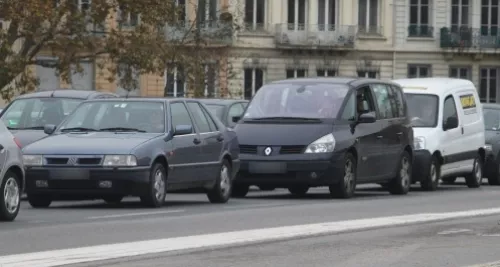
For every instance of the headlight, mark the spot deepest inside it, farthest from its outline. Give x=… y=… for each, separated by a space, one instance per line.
x=325 y=144
x=32 y=160
x=488 y=147
x=120 y=160
x=419 y=143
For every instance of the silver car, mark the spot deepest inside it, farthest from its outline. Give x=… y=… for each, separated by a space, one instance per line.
x=11 y=175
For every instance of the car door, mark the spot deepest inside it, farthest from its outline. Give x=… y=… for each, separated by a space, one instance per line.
x=5 y=140
x=451 y=139
x=186 y=158
x=211 y=139
x=389 y=122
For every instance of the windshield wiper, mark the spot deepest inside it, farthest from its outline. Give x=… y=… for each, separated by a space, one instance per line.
x=121 y=129
x=285 y=118
x=78 y=129
x=27 y=128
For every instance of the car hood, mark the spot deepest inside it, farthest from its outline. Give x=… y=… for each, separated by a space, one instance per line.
x=280 y=134
x=93 y=143
x=492 y=137
x=26 y=137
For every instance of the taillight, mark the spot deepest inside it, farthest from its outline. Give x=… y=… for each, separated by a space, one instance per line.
x=18 y=143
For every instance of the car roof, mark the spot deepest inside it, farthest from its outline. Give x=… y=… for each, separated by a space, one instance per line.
x=435 y=85
x=351 y=81
x=147 y=99
x=491 y=106
x=220 y=101
x=65 y=93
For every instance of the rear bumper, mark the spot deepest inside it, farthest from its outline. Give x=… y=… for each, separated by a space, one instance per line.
x=86 y=181
x=421 y=164
x=286 y=170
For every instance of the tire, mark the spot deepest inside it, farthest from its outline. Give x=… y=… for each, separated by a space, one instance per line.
x=39 y=200
x=298 y=190
x=400 y=185
x=240 y=190
x=267 y=188
x=449 y=180
x=347 y=185
x=475 y=179
x=113 y=199
x=431 y=181
x=221 y=192
x=10 y=197
x=155 y=197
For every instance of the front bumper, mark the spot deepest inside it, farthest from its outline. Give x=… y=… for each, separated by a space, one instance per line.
x=285 y=170
x=86 y=181
x=421 y=165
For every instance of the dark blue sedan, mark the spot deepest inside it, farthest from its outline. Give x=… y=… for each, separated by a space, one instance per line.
x=114 y=148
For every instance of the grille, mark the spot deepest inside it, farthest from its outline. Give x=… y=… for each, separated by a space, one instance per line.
x=89 y=161
x=57 y=161
x=291 y=149
x=248 y=149
x=73 y=160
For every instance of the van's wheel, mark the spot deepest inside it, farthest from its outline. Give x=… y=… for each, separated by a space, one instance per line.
x=431 y=180
x=240 y=190
x=449 y=180
x=221 y=192
x=113 y=199
x=10 y=197
x=347 y=185
x=474 y=179
x=298 y=190
x=400 y=185
x=155 y=196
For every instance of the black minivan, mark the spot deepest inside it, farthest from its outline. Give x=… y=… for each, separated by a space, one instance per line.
x=336 y=132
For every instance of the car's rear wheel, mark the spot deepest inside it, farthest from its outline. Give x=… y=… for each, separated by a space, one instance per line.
x=113 y=199
x=449 y=180
x=221 y=192
x=346 y=187
x=475 y=178
x=431 y=181
x=400 y=185
x=155 y=196
x=39 y=200
x=10 y=198
x=240 y=190
x=298 y=190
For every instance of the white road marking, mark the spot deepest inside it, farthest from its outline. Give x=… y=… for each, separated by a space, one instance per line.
x=454 y=231
x=133 y=214
x=489 y=264
x=119 y=250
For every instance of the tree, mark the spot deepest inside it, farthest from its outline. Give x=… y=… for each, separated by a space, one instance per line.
x=99 y=30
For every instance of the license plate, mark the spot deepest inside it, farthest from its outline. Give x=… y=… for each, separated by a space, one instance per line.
x=69 y=174
x=267 y=167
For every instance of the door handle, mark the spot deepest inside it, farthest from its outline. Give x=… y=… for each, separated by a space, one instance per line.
x=220 y=138
x=196 y=141
x=462 y=130
x=400 y=133
x=379 y=137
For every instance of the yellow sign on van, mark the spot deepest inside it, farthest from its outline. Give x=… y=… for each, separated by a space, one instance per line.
x=468 y=104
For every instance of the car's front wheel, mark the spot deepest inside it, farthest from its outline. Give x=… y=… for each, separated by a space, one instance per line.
x=155 y=196
x=39 y=200
x=400 y=185
x=347 y=185
x=431 y=181
x=221 y=192
x=11 y=197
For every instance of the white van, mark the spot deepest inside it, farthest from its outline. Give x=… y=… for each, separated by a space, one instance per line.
x=447 y=120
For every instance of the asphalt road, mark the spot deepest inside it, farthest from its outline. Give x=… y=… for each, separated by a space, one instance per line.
x=89 y=223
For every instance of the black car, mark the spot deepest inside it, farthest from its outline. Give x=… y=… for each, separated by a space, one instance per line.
x=226 y=109
x=336 y=132
x=491 y=113
x=28 y=113
x=113 y=148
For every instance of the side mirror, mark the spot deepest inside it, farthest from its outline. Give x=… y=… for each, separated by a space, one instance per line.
x=369 y=117
x=183 y=129
x=236 y=119
x=49 y=128
x=450 y=123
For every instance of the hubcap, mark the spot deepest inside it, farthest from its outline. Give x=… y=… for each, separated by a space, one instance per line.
x=11 y=195
x=478 y=173
x=225 y=180
x=433 y=172
x=404 y=172
x=348 y=175
x=159 y=185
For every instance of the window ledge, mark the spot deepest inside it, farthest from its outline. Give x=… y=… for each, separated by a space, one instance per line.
x=372 y=37
x=255 y=34
x=418 y=39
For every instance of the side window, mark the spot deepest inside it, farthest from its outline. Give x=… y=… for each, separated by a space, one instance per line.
x=199 y=118
x=211 y=122
x=364 y=100
x=398 y=98
x=236 y=110
x=449 y=109
x=349 y=112
x=180 y=115
x=383 y=101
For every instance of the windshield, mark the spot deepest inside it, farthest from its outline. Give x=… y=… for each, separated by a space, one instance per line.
x=218 y=110
x=132 y=116
x=296 y=100
x=491 y=119
x=34 y=113
x=423 y=109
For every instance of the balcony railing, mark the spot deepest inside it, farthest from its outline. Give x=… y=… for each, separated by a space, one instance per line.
x=315 y=35
x=189 y=31
x=466 y=37
x=375 y=31
x=425 y=31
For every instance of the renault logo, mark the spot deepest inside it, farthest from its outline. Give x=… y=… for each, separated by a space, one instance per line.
x=72 y=161
x=268 y=151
